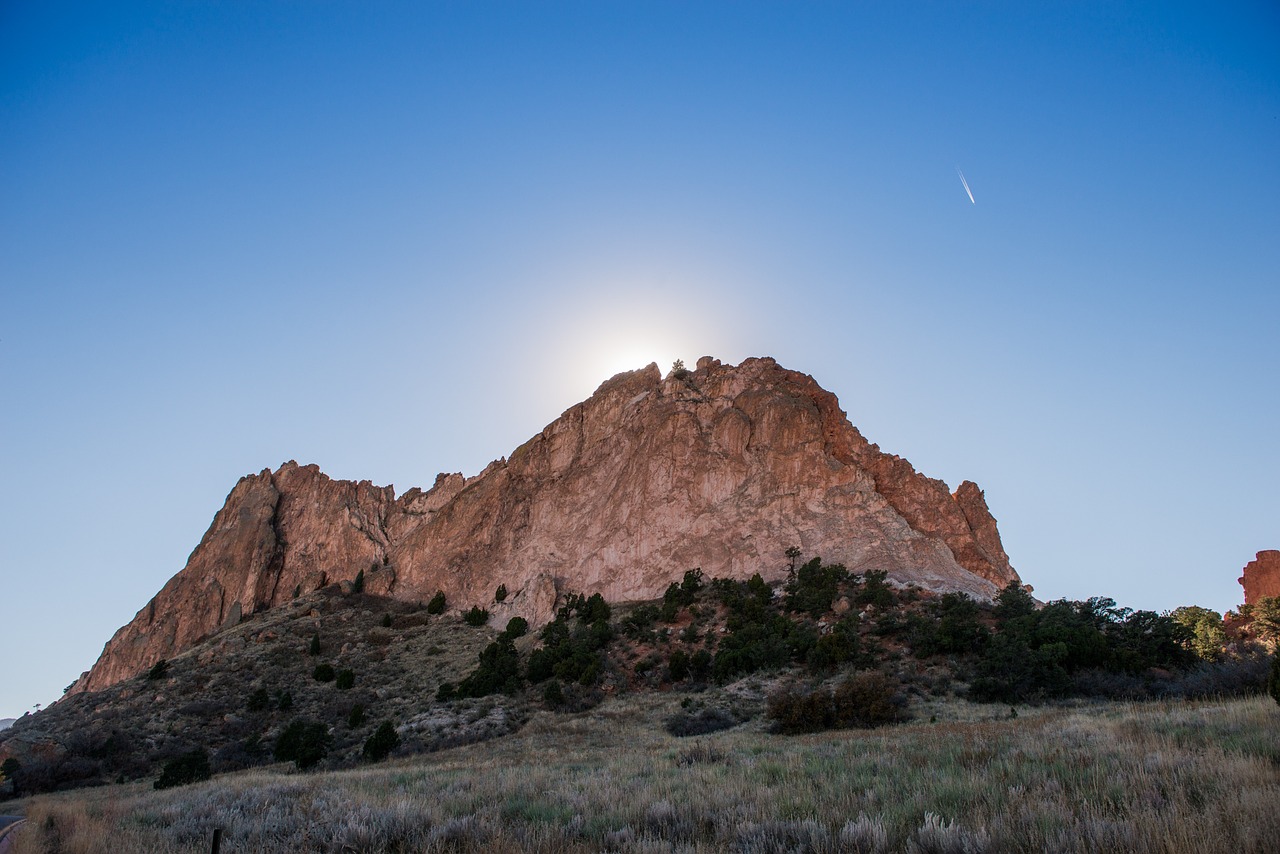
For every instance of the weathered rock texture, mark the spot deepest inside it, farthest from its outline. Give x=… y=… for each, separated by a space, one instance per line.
x=723 y=468
x=1261 y=577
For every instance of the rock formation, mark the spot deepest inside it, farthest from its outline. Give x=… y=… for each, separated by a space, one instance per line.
x=1261 y=578
x=721 y=468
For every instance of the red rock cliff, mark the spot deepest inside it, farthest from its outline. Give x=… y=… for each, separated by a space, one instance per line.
x=722 y=469
x=1261 y=578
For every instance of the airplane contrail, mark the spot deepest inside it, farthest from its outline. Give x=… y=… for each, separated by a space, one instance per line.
x=966 y=184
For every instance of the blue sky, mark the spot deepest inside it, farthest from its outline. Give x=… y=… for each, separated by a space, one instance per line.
x=395 y=239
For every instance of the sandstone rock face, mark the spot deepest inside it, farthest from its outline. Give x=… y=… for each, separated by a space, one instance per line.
x=723 y=469
x=1261 y=577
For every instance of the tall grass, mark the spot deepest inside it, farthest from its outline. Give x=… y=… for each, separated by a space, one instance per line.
x=1153 y=777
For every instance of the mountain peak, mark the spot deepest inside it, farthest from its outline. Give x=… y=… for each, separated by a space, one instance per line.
x=721 y=467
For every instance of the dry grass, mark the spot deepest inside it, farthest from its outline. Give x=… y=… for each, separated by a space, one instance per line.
x=1156 y=777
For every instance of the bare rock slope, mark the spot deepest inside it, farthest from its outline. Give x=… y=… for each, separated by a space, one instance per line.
x=1261 y=577
x=721 y=468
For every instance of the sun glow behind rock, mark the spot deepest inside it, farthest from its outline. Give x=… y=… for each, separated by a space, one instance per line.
x=629 y=324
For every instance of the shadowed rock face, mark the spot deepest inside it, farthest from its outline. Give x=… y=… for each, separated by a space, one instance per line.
x=1261 y=578
x=721 y=469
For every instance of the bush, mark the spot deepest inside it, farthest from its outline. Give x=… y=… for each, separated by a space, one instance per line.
x=356 y=716
x=678 y=665
x=159 y=670
x=323 y=673
x=477 y=616
x=436 y=605
x=499 y=670
x=1273 y=679
x=814 y=587
x=386 y=621
x=446 y=692
x=258 y=700
x=865 y=700
x=357 y=586
x=553 y=694
x=314 y=647
x=700 y=722
x=190 y=767
x=384 y=740
x=500 y=594
x=346 y=680
x=517 y=627
x=286 y=701
x=304 y=743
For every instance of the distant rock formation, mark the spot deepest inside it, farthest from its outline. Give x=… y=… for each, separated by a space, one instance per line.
x=1261 y=578
x=721 y=468
x=5 y=723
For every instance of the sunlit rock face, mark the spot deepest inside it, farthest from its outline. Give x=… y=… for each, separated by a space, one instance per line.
x=721 y=468
x=1261 y=578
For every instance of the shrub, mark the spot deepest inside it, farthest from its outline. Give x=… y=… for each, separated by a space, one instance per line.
x=436 y=605
x=553 y=694
x=304 y=743
x=190 y=767
x=258 y=700
x=286 y=701
x=1273 y=679
x=867 y=699
x=356 y=716
x=477 y=616
x=814 y=587
x=678 y=665
x=314 y=647
x=700 y=722
x=11 y=773
x=384 y=740
x=158 y=670
x=323 y=673
x=517 y=627
x=357 y=586
x=638 y=625
x=346 y=680
x=700 y=665
x=500 y=594
x=386 y=621
x=499 y=670
x=446 y=692
x=875 y=590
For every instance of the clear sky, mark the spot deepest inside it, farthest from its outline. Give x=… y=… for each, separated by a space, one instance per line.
x=395 y=239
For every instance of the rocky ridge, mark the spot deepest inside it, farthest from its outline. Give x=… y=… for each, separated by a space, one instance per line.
x=1261 y=577
x=721 y=468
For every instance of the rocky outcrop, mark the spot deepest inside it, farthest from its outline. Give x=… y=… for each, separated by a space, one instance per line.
x=721 y=468
x=1261 y=578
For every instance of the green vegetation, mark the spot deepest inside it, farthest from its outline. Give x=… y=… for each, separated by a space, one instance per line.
x=500 y=594
x=437 y=603
x=357 y=586
x=190 y=767
x=379 y=745
x=477 y=616
x=314 y=647
x=1147 y=778
x=304 y=743
x=572 y=652
x=864 y=700
x=346 y=679
x=356 y=716
x=324 y=673
x=159 y=670
x=259 y=700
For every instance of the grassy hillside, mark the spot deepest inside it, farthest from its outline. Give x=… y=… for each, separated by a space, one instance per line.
x=1151 y=777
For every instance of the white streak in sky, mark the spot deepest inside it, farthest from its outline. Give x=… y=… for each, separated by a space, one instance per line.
x=966 y=184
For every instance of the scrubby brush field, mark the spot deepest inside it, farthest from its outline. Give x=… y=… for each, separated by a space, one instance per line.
x=1180 y=776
